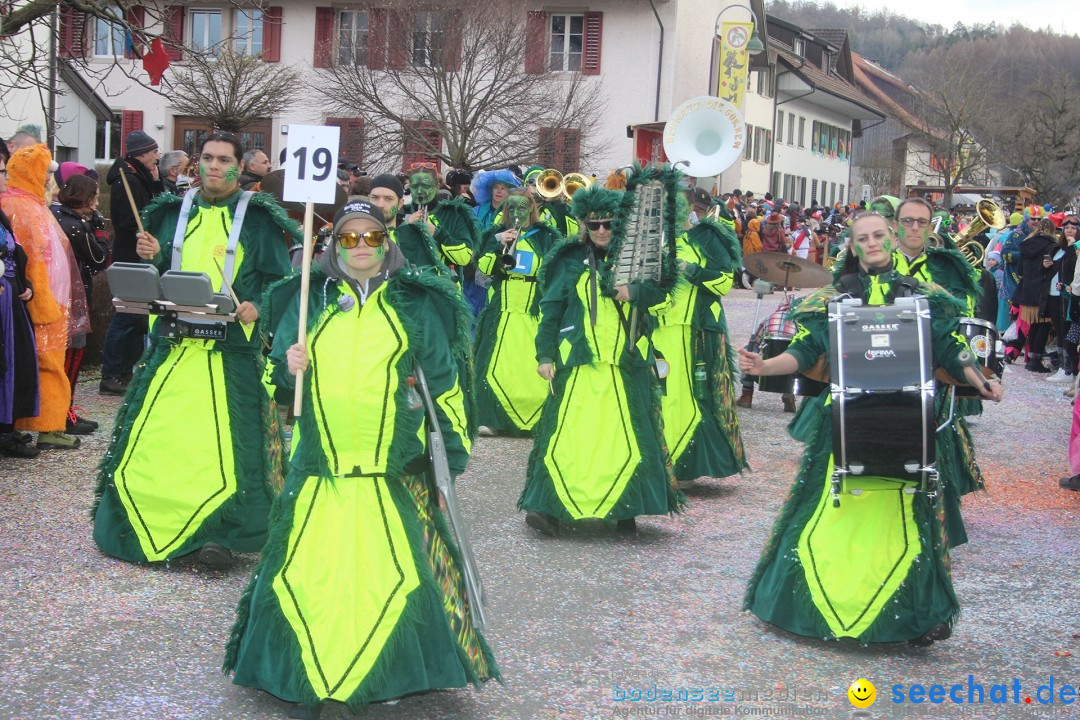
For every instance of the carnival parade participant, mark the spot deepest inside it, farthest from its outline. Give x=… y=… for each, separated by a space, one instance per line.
x=358 y=596
x=18 y=355
x=509 y=394
x=57 y=306
x=950 y=270
x=449 y=222
x=876 y=568
x=489 y=188
x=701 y=424
x=413 y=239
x=598 y=450
x=196 y=445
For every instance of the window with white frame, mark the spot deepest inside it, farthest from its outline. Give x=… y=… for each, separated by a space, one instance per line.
x=799 y=46
x=779 y=126
x=567 y=42
x=764 y=82
x=791 y=129
x=248 y=37
x=353 y=32
x=427 y=39
x=109 y=36
x=749 y=147
x=802 y=131
x=205 y=29
x=813 y=191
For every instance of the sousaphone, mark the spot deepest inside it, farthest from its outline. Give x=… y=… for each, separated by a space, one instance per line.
x=705 y=136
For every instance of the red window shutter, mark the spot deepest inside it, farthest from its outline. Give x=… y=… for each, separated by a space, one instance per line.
x=452 y=36
x=351 y=146
x=271 y=41
x=594 y=30
x=133 y=41
x=378 y=29
x=174 y=31
x=400 y=39
x=130 y=121
x=324 y=37
x=72 y=32
x=536 y=41
x=424 y=148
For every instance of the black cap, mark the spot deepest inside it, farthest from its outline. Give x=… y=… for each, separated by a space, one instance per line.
x=359 y=207
x=139 y=143
x=389 y=181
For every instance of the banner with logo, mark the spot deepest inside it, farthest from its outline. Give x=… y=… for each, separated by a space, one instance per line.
x=734 y=61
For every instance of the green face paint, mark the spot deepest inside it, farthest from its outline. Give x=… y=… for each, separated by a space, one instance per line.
x=517 y=212
x=232 y=174
x=203 y=171
x=423 y=188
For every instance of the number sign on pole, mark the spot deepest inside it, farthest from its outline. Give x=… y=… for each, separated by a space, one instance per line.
x=311 y=164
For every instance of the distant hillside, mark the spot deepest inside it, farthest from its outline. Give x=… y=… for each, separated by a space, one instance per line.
x=880 y=35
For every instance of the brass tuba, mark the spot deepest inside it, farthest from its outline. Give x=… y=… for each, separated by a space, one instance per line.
x=549 y=184
x=987 y=215
x=572 y=182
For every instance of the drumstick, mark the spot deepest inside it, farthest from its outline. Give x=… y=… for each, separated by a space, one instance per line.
x=131 y=199
x=551 y=386
x=226 y=284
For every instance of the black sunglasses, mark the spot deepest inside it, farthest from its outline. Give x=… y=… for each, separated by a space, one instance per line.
x=595 y=225
x=1074 y=223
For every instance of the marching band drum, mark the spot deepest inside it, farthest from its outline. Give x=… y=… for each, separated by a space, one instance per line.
x=882 y=384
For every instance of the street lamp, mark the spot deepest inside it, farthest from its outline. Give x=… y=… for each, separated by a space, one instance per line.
x=753 y=47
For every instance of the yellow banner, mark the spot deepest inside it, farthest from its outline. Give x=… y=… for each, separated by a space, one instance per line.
x=734 y=62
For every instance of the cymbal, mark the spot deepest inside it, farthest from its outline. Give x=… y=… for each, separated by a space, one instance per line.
x=786 y=270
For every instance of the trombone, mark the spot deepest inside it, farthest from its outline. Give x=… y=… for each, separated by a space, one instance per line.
x=987 y=215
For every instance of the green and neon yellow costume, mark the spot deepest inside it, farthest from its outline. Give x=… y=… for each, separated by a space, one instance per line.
x=196 y=448
x=358 y=596
x=876 y=568
x=456 y=237
x=700 y=422
x=598 y=450
x=956 y=449
x=509 y=393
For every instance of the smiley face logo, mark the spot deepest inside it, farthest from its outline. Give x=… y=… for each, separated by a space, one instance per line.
x=862 y=693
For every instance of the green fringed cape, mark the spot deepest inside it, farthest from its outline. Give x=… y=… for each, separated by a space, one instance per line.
x=509 y=393
x=358 y=595
x=457 y=235
x=877 y=567
x=196 y=448
x=701 y=424
x=599 y=449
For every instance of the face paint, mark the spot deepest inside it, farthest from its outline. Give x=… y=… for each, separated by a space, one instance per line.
x=232 y=173
x=423 y=188
x=203 y=171
x=517 y=212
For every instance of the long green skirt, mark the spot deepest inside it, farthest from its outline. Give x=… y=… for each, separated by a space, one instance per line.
x=875 y=569
x=358 y=597
x=194 y=453
x=599 y=450
x=509 y=393
x=700 y=422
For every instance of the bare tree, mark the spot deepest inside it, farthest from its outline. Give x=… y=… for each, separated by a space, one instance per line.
x=876 y=170
x=953 y=105
x=38 y=34
x=229 y=90
x=461 y=91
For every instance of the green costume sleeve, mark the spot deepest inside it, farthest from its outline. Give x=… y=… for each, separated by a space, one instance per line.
x=649 y=297
x=810 y=341
x=722 y=257
x=946 y=340
x=552 y=309
x=279 y=382
x=490 y=249
x=455 y=232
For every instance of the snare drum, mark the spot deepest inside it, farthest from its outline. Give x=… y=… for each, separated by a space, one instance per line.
x=982 y=338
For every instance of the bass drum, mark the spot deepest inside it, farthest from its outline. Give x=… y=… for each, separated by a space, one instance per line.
x=982 y=338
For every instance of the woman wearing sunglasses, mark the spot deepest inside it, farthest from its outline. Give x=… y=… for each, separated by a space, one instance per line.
x=599 y=448
x=358 y=596
x=509 y=394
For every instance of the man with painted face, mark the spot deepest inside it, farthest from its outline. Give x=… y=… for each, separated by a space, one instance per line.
x=876 y=568
x=196 y=450
x=449 y=222
x=358 y=596
x=413 y=239
x=509 y=395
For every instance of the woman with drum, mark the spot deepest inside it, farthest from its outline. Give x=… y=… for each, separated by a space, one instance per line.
x=875 y=567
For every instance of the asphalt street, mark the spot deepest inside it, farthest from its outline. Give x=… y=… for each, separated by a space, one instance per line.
x=577 y=621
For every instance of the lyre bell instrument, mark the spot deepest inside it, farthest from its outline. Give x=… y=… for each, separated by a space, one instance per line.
x=987 y=215
x=551 y=184
x=705 y=136
x=641 y=252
